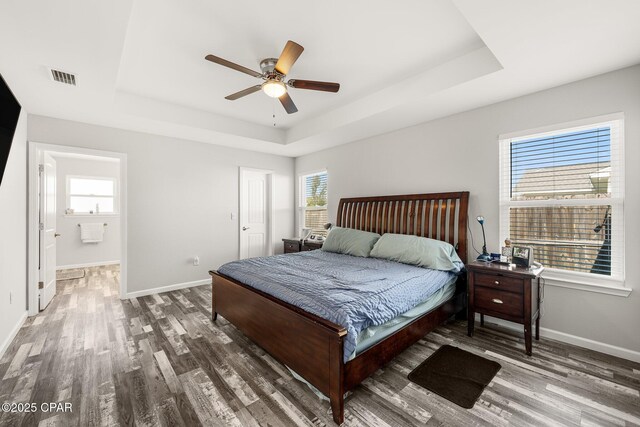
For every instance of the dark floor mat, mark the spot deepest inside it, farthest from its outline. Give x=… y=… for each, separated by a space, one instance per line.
x=456 y=375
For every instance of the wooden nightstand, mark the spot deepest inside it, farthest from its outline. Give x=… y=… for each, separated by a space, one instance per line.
x=292 y=245
x=509 y=294
x=310 y=245
x=297 y=245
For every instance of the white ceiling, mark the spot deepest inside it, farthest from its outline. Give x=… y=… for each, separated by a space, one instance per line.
x=140 y=64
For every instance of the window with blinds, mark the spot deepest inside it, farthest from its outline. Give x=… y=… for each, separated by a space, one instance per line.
x=313 y=202
x=562 y=194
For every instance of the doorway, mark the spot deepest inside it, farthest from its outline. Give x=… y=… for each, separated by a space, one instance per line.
x=256 y=213
x=77 y=217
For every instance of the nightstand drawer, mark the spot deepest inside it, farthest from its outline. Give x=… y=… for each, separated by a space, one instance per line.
x=291 y=247
x=511 y=284
x=493 y=300
x=310 y=245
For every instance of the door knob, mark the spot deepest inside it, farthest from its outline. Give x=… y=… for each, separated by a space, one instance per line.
x=57 y=235
x=245 y=228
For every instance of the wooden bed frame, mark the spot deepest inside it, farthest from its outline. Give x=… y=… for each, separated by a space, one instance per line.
x=312 y=346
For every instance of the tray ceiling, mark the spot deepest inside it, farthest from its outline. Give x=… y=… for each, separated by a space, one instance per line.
x=140 y=64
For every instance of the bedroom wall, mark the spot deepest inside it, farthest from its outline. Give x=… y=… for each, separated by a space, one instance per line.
x=460 y=152
x=70 y=251
x=181 y=195
x=13 y=237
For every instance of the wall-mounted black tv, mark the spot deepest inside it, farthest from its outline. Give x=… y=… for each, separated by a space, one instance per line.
x=9 y=113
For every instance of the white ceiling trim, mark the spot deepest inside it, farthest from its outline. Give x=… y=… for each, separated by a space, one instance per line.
x=464 y=68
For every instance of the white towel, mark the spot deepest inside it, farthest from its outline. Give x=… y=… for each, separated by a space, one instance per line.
x=91 y=232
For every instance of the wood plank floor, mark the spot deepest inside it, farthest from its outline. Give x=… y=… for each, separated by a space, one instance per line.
x=159 y=360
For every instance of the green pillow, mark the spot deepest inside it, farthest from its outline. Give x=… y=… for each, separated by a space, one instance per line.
x=415 y=250
x=349 y=241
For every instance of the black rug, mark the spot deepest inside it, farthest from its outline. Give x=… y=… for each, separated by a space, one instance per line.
x=456 y=375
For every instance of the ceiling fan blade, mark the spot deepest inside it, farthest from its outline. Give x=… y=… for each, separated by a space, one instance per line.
x=231 y=65
x=288 y=104
x=247 y=91
x=313 y=85
x=288 y=57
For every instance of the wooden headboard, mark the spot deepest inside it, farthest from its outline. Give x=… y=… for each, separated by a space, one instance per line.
x=441 y=216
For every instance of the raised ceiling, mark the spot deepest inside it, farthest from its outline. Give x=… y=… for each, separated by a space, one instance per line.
x=140 y=64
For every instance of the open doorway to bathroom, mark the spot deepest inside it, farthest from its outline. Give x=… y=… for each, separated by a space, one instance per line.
x=77 y=220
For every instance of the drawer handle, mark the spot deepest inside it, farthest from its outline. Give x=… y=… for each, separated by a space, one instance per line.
x=497 y=301
x=497 y=282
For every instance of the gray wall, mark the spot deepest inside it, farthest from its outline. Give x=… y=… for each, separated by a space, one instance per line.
x=13 y=236
x=460 y=152
x=181 y=195
x=70 y=251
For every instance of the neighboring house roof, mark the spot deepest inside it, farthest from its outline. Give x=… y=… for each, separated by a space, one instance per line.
x=569 y=179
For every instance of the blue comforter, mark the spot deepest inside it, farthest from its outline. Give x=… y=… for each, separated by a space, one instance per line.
x=350 y=291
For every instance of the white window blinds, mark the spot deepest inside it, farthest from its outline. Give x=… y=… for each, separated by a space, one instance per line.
x=562 y=193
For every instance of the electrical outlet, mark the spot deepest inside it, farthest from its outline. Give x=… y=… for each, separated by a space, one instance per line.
x=196 y=260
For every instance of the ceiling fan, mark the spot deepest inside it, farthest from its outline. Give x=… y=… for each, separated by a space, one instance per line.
x=274 y=73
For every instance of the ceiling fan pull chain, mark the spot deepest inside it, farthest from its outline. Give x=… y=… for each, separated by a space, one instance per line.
x=273 y=110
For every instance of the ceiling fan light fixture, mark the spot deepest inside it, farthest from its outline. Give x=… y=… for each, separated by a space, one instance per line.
x=274 y=88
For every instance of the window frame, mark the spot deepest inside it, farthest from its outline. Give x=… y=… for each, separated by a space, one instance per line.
x=614 y=284
x=115 y=197
x=302 y=197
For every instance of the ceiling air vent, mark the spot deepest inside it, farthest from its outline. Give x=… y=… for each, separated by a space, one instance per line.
x=62 y=77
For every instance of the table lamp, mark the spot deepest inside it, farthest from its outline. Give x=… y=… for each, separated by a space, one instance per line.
x=484 y=256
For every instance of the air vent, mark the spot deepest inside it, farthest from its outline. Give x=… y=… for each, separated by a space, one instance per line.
x=62 y=77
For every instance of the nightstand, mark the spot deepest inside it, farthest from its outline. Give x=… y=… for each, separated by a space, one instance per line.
x=508 y=294
x=310 y=245
x=297 y=245
x=292 y=245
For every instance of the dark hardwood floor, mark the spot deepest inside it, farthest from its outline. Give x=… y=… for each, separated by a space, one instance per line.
x=159 y=360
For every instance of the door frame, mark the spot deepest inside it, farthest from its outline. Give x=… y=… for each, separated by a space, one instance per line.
x=43 y=248
x=270 y=208
x=35 y=151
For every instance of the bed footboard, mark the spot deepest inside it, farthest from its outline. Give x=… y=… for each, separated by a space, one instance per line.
x=308 y=344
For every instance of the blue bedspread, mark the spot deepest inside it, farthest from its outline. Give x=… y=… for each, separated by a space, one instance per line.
x=350 y=291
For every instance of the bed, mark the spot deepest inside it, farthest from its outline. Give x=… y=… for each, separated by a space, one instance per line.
x=313 y=346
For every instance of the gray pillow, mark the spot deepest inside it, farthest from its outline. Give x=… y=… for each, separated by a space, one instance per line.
x=349 y=241
x=415 y=250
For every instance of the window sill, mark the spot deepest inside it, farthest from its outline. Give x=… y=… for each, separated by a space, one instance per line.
x=584 y=283
x=86 y=215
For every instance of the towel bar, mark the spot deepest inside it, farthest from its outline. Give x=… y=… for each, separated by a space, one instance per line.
x=105 y=224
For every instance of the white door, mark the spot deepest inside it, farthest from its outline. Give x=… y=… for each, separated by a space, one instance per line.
x=47 y=230
x=254 y=213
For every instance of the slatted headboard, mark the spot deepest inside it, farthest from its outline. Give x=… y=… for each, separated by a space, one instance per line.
x=441 y=216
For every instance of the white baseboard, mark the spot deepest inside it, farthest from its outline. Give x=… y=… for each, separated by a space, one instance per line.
x=89 y=264
x=602 y=347
x=7 y=342
x=167 y=288
x=590 y=344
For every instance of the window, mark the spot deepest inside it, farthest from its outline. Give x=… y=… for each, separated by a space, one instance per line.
x=313 y=202
x=91 y=195
x=562 y=193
